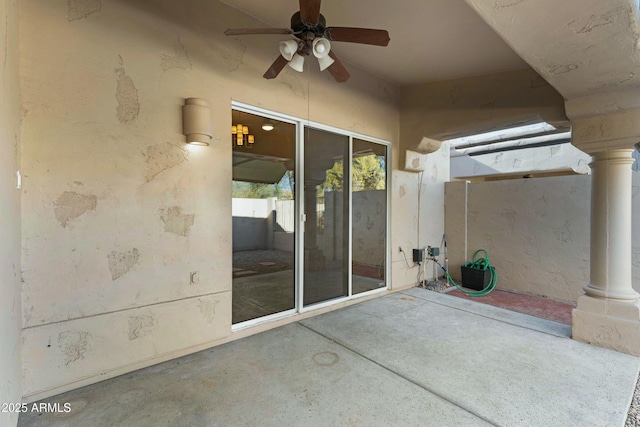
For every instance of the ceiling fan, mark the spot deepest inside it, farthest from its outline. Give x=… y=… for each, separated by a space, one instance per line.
x=314 y=37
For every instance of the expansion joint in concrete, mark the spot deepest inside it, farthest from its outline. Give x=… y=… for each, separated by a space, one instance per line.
x=401 y=375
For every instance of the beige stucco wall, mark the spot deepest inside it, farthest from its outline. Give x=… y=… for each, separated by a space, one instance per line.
x=369 y=227
x=10 y=244
x=635 y=240
x=438 y=111
x=557 y=157
x=117 y=210
x=418 y=222
x=535 y=230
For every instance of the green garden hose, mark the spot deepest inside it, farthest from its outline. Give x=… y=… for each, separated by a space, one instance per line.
x=480 y=264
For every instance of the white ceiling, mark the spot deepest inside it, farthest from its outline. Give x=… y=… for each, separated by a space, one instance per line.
x=431 y=40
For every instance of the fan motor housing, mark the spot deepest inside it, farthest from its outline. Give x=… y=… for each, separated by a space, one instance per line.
x=298 y=26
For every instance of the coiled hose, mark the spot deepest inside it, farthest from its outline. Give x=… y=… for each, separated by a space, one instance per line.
x=480 y=264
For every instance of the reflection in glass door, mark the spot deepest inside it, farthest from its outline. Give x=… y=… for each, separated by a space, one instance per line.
x=326 y=209
x=292 y=249
x=369 y=215
x=263 y=209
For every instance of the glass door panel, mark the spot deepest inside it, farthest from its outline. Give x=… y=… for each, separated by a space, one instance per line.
x=326 y=209
x=263 y=209
x=369 y=223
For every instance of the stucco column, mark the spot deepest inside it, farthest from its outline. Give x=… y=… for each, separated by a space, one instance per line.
x=611 y=226
x=608 y=314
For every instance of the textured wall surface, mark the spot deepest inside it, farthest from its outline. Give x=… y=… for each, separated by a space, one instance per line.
x=635 y=255
x=369 y=226
x=10 y=317
x=564 y=156
x=536 y=232
x=117 y=209
x=418 y=221
x=589 y=29
x=439 y=111
x=456 y=217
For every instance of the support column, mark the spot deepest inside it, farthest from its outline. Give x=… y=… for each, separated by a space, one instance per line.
x=608 y=314
x=611 y=226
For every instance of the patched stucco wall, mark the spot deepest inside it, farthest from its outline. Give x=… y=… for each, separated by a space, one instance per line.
x=594 y=66
x=635 y=241
x=439 y=111
x=418 y=222
x=369 y=226
x=535 y=230
x=557 y=157
x=10 y=244
x=117 y=209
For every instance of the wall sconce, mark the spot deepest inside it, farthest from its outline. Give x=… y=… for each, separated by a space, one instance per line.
x=196 y=121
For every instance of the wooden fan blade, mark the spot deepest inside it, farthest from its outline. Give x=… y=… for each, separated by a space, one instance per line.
x=276 y=67
x=252 y=31
x=310 y=11
x=337 y=70
x=358 y=35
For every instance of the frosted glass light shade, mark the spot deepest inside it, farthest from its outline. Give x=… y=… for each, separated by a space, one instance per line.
x=321 y=47
x=288 y=48
x=325 y=62
x=297 y=63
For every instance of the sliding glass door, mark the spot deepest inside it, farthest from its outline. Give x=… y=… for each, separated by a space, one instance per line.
x=310 y=215
x=345 y=216
x=326 y=216
x=369 y=215
x=263 y=211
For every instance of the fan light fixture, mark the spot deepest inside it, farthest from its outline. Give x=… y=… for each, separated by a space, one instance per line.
x=308 y=25
x=297 y=63
x=321 y=47
x=325 y=62
x=288 y=48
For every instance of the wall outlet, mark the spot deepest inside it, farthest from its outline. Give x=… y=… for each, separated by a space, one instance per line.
x=194 y=278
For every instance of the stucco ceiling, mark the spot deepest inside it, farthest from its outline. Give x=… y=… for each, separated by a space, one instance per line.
x=431 y=40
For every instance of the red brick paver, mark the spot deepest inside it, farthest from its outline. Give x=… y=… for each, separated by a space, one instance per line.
x=526 y=304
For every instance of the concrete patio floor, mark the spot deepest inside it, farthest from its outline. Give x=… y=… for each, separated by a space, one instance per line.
x=411 y=358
